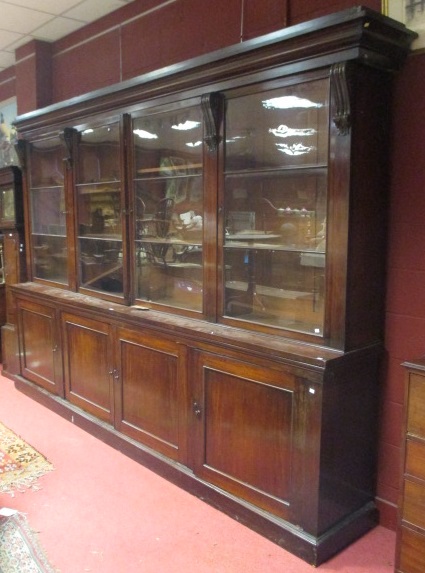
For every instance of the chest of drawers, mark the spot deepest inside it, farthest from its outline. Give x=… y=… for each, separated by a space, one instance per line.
x=410 y=549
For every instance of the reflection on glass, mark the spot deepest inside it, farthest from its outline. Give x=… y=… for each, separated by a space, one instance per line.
x=99 y=210
x=275 y=207
x=278 y=129
x=101 y=265
x=99 y=154
x=290 y=102
x=48 y=212
x=169 y=208
x=8 y=204
x=2 y=269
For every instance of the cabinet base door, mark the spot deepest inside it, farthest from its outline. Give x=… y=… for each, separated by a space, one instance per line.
x=149 y=402
x=39 y=348
x=88 y=365
x=250 y=434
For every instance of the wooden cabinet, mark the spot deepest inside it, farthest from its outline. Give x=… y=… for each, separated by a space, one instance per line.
x=272 y=427
x=205 y=267
x=12 y=259
x=411 y=524
x=14 y=272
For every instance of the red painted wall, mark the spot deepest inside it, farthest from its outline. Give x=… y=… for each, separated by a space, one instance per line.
x=301 y=10
x=87 y=66
x=7 y=84
x=405 y=320
x=143 y=36
x=151 y=35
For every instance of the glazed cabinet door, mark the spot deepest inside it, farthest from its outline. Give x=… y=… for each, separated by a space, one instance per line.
x=275 y=207
x=47 y=205
x=169 y=207
x=40 y=348
x=100 y=209
x=151 y=397
x=251 y=430
x=88 y=366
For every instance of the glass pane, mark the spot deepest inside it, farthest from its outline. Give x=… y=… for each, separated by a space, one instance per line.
x=169 y=208
x=257 y=291
x=101 y=264
x=100 y=237
x=48 y=211
x=99 y=210
x=99 y=154
x=2 y=269
x=288 y=206
x=275 y=208
x=168 y=145
x=277 y=128
x=49 y=234
x=46 y=163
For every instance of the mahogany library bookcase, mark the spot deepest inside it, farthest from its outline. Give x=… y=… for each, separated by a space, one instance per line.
x=206 y=249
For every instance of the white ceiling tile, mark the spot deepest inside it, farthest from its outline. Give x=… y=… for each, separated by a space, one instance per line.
x=7 y=38
x=56 y=7
x=24 y=20
x=14 y=18
x=57 y=28
x=90 y=10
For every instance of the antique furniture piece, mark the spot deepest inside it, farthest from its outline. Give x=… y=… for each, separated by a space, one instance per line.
x=12 y=258
x=410 y=549
x=205 y=259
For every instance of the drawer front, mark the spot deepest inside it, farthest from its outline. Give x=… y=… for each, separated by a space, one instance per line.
x=414 y=504
x=412 y=552
x=416 y=405
x=415 y=459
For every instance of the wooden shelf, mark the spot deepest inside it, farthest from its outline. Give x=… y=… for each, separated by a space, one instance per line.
x=175 y=168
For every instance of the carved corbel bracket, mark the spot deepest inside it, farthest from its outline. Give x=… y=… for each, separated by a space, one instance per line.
x=212 y=109
x=342 y=116
x=68 y=137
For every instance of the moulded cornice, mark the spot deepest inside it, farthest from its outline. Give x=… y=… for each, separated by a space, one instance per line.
x=355 y=34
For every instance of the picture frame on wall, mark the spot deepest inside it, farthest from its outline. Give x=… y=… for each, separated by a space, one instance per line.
x=8 y=135
x=412 y=14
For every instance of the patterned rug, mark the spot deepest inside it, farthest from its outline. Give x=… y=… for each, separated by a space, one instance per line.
x=20 y=464
x=20 y=551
